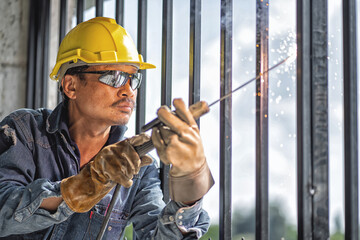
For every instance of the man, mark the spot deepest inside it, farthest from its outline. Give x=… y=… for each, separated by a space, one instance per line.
x=58 y=168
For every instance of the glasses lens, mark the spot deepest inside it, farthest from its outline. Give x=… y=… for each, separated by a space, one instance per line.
x=113 y=78
x=108 y=78
x=135 y=80
x=118 y=78
x=121 y=78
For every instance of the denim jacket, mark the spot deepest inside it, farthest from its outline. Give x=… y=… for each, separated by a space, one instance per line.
x=36 y=153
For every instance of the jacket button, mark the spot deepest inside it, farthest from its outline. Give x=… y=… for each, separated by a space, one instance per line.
x=109 y=228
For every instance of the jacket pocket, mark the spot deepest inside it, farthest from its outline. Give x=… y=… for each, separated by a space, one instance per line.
x=114 y=228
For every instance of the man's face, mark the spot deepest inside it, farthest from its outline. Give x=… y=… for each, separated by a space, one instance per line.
x=97 y=101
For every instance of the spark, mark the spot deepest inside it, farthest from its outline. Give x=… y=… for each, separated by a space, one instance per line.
x=290 y=57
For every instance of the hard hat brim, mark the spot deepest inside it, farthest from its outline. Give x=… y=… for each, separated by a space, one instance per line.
x=54 y=75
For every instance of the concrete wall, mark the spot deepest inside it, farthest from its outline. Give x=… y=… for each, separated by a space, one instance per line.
x=14 y=27
x=14 y=19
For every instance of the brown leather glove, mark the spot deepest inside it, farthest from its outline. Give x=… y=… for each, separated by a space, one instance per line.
x=178 y=143
x=116 y=163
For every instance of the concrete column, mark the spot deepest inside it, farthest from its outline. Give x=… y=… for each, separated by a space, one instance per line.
x=14 y=18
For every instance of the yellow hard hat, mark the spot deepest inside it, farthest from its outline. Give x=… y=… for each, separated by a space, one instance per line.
x=98 y=41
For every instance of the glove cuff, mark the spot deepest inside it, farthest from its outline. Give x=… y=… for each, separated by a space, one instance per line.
x=191 y=187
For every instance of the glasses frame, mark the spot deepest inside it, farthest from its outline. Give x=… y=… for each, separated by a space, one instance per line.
x=131 y=76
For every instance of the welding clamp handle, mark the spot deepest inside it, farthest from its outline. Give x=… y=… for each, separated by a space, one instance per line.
x=197 y=110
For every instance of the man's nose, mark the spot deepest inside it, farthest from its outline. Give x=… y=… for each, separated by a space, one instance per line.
x=126 y=90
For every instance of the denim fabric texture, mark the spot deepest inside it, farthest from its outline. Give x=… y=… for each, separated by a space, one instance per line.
x=36 y=153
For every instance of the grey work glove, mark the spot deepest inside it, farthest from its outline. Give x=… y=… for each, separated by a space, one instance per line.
x=178 y=143
x=116 y=163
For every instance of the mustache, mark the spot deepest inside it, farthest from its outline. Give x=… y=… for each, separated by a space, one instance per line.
x=129 y=100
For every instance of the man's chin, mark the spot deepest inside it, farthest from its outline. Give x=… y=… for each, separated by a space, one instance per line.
x=123 y=120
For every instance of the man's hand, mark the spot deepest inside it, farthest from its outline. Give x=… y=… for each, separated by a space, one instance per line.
x=116 y=163
x=179 y=143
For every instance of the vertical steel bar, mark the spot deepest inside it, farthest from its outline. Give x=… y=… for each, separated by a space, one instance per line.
x=350 y=120
x=62 y=30
x=37 y=81
x=80 y=11
x=262 y=130
x=42 y=32
x=166 y=77
x=38 y=52
x=141 y=42
x=141 y=45
x=99 y=8
x=312 y=114
x=304 y=140
x=195 y=51
x=320 y=119
x=63 y=17
x=30 y=81
x=225 y=118
x=45 y=54
x=119 y=12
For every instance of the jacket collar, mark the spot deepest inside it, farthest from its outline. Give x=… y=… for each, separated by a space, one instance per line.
x=54 y=119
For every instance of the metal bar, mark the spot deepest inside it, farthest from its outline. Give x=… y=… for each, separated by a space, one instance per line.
x=106 y=220
x=119 y=12
x=262 y=129
x=30 y=81
x=141 y=42
x=62 y=30
x=350 y=120
x=37 y=81
x=45 y=54
x=312 y=123
x=63 y=17
x=99 y=8
x=166 y=71
x=80 y=11
x=38 y=52
x=225 y=118
x=195 y=51
x=38 y=93
x=304 y=140
x=320 y=119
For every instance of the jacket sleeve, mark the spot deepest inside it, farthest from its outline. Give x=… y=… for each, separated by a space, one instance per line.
x=20 y=194
x=152 y=219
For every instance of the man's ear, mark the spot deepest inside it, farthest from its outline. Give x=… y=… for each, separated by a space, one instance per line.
x=69 y=86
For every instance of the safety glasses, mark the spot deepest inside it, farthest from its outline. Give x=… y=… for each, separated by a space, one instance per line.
x=117 y=79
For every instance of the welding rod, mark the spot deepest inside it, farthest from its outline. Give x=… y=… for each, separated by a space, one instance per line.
x=197 y=109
